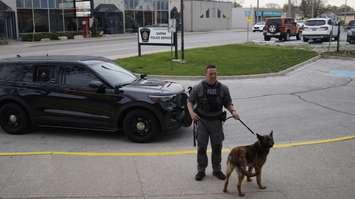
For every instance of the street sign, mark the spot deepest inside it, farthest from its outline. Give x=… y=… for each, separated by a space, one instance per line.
x=154 y=35
x=250 y=19
x=83 y=8
x=158 y=36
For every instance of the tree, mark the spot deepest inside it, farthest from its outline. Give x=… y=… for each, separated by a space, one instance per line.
x=237 y=4
x=272 y=5
x=311 y=8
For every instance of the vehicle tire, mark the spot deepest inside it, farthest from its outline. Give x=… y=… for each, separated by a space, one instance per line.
x=14 y=119
x=266 y=38
x=305 y=39
x=140 y=126
x=281 y=38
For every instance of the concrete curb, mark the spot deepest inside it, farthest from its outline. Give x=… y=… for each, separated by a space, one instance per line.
x=280 y=73
x=337 y=57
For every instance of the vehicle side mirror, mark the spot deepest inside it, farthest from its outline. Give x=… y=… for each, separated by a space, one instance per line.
x=95 y=84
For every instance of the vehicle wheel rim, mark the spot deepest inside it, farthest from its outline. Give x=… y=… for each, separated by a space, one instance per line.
x=12 y=119
x=142 y=126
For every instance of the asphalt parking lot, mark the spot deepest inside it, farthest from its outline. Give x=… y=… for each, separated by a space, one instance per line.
x=314 y=103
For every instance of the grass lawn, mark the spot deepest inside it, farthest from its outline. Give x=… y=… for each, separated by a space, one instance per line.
x=236 y=59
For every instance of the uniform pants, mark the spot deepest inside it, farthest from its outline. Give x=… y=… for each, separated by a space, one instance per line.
x=209 y=130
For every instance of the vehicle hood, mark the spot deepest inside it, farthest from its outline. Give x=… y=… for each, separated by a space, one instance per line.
x=154 y=86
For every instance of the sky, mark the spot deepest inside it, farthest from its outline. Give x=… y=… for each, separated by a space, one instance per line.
x=247 y=3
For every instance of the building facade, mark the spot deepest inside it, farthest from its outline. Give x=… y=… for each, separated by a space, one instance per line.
x=109 y=16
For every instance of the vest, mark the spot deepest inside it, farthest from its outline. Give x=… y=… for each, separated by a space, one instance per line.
x=210 y=104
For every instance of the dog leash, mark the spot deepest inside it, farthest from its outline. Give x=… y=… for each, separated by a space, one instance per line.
x=242 y=123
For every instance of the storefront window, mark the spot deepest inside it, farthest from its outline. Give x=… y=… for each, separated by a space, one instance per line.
x=68 y=4
x=41 y=20
x=139 y=18
x=44 y=3
x=148 y=18
x=70 y=20
x=36 y=3
x=56 y=19
x=20 y=3
x=28 y=3
x=25 y=22
x=162 y=17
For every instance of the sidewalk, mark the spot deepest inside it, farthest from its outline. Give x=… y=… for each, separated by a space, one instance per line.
x=313 y=171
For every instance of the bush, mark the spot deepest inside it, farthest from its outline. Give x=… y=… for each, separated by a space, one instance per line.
x=51 y=35
x=3 y=41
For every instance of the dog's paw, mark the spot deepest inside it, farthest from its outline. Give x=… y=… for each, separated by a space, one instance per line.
x=241 y=194
x=225 y=190
x=262 y=187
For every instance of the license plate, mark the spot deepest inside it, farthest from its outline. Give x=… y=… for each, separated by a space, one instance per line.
x=314 y=29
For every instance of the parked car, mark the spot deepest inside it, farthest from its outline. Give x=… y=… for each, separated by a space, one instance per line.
x=259 y=26
x=281 y=28
x=83 y=92
x=322 y=29
x=351 y=32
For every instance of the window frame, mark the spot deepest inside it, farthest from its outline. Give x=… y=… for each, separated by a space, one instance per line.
x=62 y=75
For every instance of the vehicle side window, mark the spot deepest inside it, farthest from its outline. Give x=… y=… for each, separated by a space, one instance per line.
x=78 y=77
x=16 y=73
x=44 y=74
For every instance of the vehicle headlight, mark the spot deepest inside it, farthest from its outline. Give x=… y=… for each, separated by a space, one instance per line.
x=350 y=33
x=167 y=102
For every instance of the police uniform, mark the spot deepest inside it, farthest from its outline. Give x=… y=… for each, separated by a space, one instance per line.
x=208 y=101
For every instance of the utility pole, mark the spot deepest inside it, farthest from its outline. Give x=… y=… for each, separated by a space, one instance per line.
x=289 y=9
x=257 y=11
x=182 y=31
x=312 y=8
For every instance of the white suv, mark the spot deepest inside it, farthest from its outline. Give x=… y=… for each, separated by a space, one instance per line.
x=323 y=29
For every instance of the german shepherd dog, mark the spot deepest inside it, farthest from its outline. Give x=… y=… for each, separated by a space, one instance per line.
x=251 y=156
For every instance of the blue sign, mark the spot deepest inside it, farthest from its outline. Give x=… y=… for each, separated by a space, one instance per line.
x=268 y=13
x=272 y=14
x=247 y=13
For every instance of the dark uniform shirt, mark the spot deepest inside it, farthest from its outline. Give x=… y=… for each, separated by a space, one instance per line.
x=206 y=128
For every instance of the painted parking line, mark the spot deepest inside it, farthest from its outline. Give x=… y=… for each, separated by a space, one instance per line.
x=343 y=73
x=169 y=153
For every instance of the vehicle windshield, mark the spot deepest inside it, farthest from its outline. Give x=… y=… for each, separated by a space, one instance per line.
x=113 y=73
x=273 y=21
x=261 y=23
x=315 y=22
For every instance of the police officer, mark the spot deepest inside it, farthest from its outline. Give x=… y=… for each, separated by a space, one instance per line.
x=205 y=105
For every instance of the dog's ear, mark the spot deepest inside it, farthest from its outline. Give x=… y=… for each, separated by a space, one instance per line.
x=259 y=136
x=271 y=134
